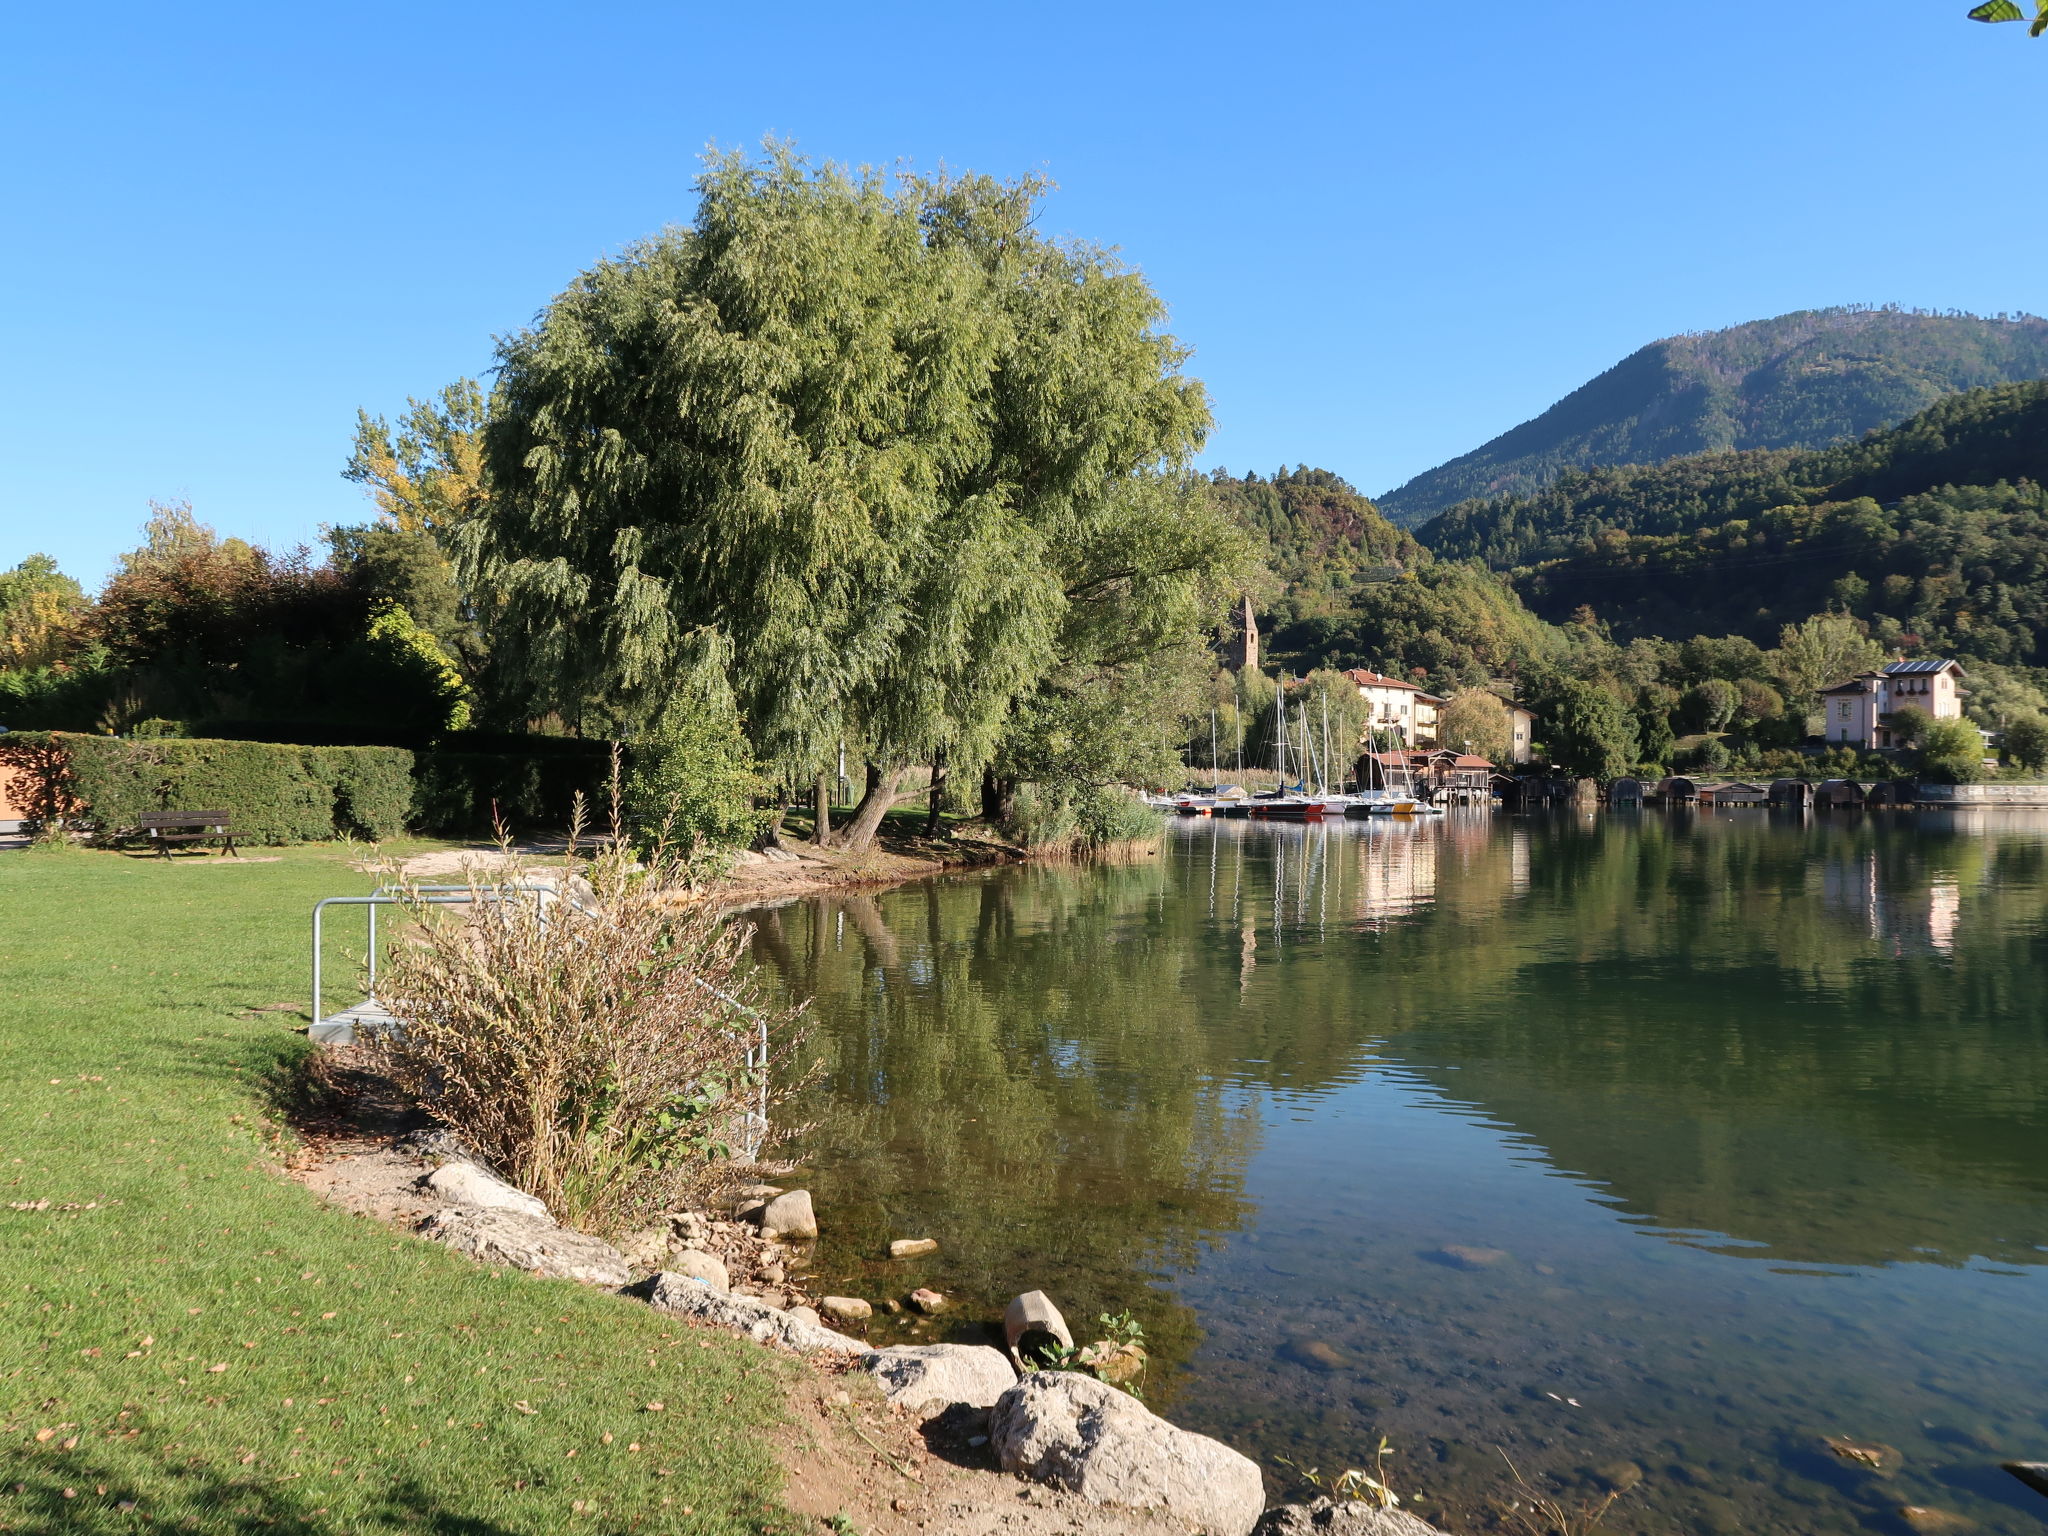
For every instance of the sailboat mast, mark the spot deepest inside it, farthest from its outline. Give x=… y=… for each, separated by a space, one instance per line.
x=1328 y=765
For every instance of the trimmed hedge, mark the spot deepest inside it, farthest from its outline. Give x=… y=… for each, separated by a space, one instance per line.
x=274 y=793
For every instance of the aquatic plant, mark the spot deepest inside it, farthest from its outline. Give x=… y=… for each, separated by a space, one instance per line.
x=1353 y=1484
x=1538 y=1513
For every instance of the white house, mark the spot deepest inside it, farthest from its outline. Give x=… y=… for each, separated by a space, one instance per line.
x=1859 y=710
x=1392 y=705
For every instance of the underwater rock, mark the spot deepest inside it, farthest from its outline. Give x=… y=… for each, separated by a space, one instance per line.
x=913 y=1247
x=1870 y=1455
x=1316 y=1354
x=1618 y=1476
x=1924 y=1520
x=1458 y=1256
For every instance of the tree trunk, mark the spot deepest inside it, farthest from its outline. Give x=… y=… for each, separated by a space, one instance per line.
x=821 y=831
x=998 y=796
x=771 y=831
x=932 y=823
x=859 y=834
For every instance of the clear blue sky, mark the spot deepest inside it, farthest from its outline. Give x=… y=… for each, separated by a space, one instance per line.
x=1389 y=228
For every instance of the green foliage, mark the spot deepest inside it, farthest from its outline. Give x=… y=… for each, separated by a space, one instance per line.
x=2006 y=10
x=906 y=413
x=1951 y=751
x=1827 y=649
x=39 y=610
x=1459 y=624
x=373 y=788
x=1712 y=704
x=1589 y=733
x=1800 y=381
x=2026 y=742
x=1475 y=720
x=693 y=780
x=411 y=570
x=1320 y=536
x=417 y=664
x=427 y=477
x=467 y=794
x=1081 y=817
x=275 y=794
x=1932 y=534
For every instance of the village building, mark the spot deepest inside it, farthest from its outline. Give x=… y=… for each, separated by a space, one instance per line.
x=1859 y=710
x=1438 y=774
x=1398 y=707
x=1521 y=731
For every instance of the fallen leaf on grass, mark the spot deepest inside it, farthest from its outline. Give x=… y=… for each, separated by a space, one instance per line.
x=524 y=1408
x=215 y=1370
x=656 y=1407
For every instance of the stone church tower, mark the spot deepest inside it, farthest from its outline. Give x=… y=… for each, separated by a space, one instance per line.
x=1243 y=650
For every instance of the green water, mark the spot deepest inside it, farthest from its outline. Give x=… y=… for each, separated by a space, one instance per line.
x=1745 y=1117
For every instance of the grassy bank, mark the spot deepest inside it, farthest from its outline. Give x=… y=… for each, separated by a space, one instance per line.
x=190 y=1341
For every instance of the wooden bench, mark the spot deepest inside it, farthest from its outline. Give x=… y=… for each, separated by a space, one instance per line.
x=168 y=828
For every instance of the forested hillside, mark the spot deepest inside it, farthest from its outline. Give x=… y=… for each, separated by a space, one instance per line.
x=1935 y=533
x=1800 y=381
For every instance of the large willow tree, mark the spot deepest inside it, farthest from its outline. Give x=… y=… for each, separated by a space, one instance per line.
x=863 y=445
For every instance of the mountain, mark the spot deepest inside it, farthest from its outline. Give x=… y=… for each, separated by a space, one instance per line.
x=1800 y=381
x=1935 y=533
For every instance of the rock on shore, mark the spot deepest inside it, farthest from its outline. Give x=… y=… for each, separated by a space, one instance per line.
x=467 y=1184
x=1085 y=1436
x=521 y=1242
x=680 y=1294
x=916 y=1376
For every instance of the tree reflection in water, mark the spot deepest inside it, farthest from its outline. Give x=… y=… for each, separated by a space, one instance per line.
x=1754 y=1109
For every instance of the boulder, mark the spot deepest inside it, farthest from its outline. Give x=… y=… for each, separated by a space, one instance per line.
x=806 y=1315
x=521 y=1242
x=845 y=1309
x=748 y=1200
x=1341 y=1517
x=1031 y=1323
x=467 y=1184
x=913 y=1247
x=788 y=1216
x=693 y=1264
x=917 y=1376
x=764 y=1325
x=1085 y=1436
x=645 y=1250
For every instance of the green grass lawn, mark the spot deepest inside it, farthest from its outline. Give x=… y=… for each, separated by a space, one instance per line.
x=190 y=1341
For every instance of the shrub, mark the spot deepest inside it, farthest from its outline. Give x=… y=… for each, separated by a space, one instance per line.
x=1044 y=818
x=273 y=793
x=1951 y=752
x=595 y=1052
x=693 y=783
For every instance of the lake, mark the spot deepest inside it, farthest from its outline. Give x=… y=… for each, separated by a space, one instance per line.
x=1642 y=1150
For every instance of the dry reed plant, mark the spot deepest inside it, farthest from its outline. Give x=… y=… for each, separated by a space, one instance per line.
x=594 y=1046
